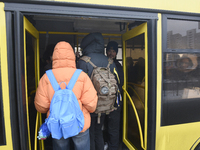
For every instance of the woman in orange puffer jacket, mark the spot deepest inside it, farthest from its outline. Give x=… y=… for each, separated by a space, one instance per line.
x=63 y=68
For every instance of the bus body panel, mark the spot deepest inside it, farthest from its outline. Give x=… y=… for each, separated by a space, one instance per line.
x=168 y=136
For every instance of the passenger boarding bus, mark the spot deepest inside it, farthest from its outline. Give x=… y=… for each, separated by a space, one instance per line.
x=159 y=48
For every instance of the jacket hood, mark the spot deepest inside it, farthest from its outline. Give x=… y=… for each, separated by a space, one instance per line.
x=63 y=56
x=192 y=62
x=93 y=43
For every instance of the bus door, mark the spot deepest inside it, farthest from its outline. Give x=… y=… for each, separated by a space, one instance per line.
x=135 y=87
x=31 y=77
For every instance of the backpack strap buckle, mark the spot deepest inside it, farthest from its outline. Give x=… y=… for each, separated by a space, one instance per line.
x=87 y=59
x=99 y=118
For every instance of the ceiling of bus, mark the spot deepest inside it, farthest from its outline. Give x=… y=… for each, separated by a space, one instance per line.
x=76 y=24
x=79 y=24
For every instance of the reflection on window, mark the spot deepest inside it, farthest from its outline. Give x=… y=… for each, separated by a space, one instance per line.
x=183 y=34
x=135 y=75
x=181 y=88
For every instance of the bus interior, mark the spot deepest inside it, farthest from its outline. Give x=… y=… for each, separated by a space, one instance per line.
x=158 y=47
x=72 y=29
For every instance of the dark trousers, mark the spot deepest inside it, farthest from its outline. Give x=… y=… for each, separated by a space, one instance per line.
x=113 y=129
x=80 y=141
x=96 y=135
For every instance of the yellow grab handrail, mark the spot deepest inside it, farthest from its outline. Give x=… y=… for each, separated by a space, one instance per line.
x=138 y=85
x=37 y=124
x=36 y=131
x=137 y=118
x=136 y=94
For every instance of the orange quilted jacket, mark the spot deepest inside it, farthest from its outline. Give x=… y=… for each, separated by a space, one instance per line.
x=63 y=68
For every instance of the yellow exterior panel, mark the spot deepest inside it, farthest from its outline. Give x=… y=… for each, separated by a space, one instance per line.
x=4 y=80
x=172 y=137
x=159 y=70
x=171 y=5
x=177 y=137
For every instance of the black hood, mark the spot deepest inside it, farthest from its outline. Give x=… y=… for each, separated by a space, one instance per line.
x=93 y=43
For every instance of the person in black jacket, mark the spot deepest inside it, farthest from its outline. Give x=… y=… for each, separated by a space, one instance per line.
x=113 y=120
x=93 y=46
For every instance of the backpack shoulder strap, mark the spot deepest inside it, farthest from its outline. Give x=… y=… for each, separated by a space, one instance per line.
x=74 y=79
x=115 y=72
x=110 y=61
x=52 y=80
x=87 y=59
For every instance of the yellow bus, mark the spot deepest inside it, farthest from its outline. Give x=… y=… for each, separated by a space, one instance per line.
x=159 y=48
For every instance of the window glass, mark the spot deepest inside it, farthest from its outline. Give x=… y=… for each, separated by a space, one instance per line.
x=135 y=74
x=183 y=34
x=31 y=47
x=181 y=88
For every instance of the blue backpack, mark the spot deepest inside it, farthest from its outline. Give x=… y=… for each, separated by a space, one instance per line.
x=66 y=118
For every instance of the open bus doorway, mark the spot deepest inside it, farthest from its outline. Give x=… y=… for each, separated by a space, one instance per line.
x=53 y=29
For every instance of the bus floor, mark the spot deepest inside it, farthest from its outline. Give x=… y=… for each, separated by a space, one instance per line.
x=49 y=146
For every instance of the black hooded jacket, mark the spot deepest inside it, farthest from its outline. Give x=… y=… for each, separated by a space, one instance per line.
x=93 y=46
x=120 y=74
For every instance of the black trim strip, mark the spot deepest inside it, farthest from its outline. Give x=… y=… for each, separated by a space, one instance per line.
x=182 y=17
x=79 y=11
x=181 y=50
x=152 y=83
x=20 y=89
x=164 y=45
x=2 y=123
x=12 y=82
x=110 y=7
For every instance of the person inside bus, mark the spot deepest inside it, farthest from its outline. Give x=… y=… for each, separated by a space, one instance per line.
x=46 y=64
x=64 y=66
x=131 y=70
x=92 y=45
x=113 y=120
x=140 y=70
x=185 y=68
x=184 y=75
x=46 y=61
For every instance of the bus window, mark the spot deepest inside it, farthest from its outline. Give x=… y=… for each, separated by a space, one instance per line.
x=181 y=72
x=183 y=34
x=181 y=88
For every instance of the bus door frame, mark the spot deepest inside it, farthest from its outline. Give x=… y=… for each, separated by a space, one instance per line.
x=86 y=10
x=139 y=30
x=150 y=106
x=16 y=71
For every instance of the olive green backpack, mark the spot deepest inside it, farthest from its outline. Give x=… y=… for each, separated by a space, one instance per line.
x=106 y=86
